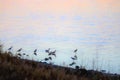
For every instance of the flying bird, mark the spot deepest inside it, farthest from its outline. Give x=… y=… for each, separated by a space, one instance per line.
x=10 y=48
x=35 y=50
x=19 y=50
x=52 y=53
x=35 y=53
x=75 y=50
x=73 y=58
x=46 y=59
x=19 y=54
x=23 y=53
x=47 y=51
x=72 y=63
x=50 y=58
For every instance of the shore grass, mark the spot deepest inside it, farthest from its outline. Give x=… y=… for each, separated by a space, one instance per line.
x=15 y=68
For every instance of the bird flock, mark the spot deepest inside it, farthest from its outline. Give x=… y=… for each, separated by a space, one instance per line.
x=74 y=58
x=50 y=54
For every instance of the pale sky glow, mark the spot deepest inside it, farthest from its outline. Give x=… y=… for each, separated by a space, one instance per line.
x=63 y=25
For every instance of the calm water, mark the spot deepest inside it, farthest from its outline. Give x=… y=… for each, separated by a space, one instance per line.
x=64 y=25
x=99 y=47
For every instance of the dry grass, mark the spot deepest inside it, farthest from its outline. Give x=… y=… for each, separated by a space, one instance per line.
x=14 y=68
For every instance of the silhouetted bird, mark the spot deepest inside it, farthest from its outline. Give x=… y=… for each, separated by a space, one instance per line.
x=19 y=54
x=75 y=50
x=10 y=48
x=72 y=63
x=35 y=54
x=35 y=50
x=19 y=50
x=50 y=58
x=24 y=54
x=73 y=58
x=52 y=53
x=46 y=59
x=77 y=67
x=47 y=51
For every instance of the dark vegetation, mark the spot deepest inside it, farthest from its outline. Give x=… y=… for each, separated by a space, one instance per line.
x=16 y=68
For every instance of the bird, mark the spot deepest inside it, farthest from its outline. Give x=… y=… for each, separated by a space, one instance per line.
x=46 y=59
x=35 y=50
x=48 y=50
x=73 y=58
x=52 y=53
x=19 y=50
x=23 y=53
x=72 y=63
x=35 y=54
x=75 y=50
x=50 y=58
x=19 y=54
x=10 y=48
